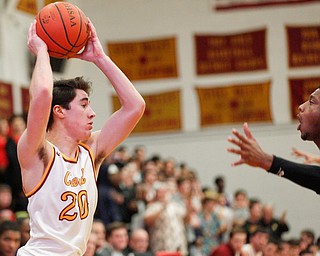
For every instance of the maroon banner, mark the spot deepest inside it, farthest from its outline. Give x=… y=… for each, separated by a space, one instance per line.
x=303 y=45
x=300 y=90
x=6 y=100
x=231 y=53
x=223 y=5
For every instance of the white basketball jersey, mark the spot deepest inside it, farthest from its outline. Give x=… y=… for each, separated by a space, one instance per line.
x=62 y=206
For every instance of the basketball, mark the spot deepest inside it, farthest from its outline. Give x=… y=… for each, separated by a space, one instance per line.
x=64 y=28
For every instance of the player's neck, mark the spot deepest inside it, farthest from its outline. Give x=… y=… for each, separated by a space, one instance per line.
x=67 y=145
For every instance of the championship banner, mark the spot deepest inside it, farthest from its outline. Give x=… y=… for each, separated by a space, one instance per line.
x=231 y=53
x=24 y=99
x=142 y=60
x=163 y=112
x=303 y=45
x=300 y=90
x=6 y=100
x=29 y=6
x=222 y=5
x=235 y=104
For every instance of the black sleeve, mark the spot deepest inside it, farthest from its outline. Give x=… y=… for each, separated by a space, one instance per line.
x=302 y=174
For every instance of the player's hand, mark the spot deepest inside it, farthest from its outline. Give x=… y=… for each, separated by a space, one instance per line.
x=93 y=49
x=35 y=43
x=249 y=150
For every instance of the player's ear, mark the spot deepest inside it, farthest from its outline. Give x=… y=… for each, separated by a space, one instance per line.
x=58 y=111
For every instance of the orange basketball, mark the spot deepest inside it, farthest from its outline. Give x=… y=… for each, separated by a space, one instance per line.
x=64 y=28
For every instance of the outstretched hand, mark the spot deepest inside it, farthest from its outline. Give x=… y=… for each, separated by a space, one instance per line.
x=93 y=48
x=249 y=150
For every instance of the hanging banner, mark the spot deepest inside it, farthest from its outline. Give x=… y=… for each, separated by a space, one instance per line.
x=223 y=5
x=303 y=45
x=25 y=99
x=29 y=6
x=142 y=60
x=300 y=90
x=234 y=104
x=231 y=53
x=6 y=100
x=163 y=112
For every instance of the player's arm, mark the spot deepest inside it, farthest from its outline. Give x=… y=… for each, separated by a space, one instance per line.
x=305 y=175
x=40 y=90
x=123 y=121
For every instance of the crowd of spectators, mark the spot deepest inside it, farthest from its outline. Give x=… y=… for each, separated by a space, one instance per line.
x=155 y=206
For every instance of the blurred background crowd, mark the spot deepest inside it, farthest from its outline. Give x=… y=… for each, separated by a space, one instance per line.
x=154 y=205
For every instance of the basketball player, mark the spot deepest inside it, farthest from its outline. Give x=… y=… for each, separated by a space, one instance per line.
x=60 y=156
x=251 y=153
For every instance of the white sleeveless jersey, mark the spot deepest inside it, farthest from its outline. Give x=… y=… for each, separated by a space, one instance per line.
x=62 y=206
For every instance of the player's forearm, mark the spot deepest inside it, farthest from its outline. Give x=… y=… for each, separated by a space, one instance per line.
x=303 y=174
x=42 y=78
x=127 y=93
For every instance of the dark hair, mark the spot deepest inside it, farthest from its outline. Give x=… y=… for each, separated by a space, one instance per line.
x=236 y=230
x=8 y=225
x=64 y=91
x=114 y=226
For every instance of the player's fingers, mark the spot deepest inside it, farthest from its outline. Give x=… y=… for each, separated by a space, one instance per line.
x=241 y=138
x=92 y=28
x=234 y=141
x=247 y=131
x=237 y=162
x=234 y=151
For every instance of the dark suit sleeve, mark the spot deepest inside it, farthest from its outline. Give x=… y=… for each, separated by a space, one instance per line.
x=304 y=175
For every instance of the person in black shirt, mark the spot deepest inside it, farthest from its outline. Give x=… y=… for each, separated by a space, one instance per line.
x=309 y=126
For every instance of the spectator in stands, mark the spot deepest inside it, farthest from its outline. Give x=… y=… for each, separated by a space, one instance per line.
x=191 y=202
x=99 y=231
x=6 y=211
x=136 y=162
x=220 y=186
x=258 y=240
x=255 y=214
x=240 y=207
x=24 y=227
x=117 y=238
x=294 y=247
x=272 y=248
x=226 y=216
x=5 y=197
x=108 y=180
x=276 y=227
x=164 y=220
x=210 y=223
x=91 y=245
x=139 y=243
x=4 y=130
x=237 y=239
x=127 y=192
x=307 y=238
x=169 y=169
x=17 y=125
x=10 y=238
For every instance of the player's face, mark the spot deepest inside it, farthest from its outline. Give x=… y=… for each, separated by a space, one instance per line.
x=80 y=116
x=9 y=243
x=309 y=118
